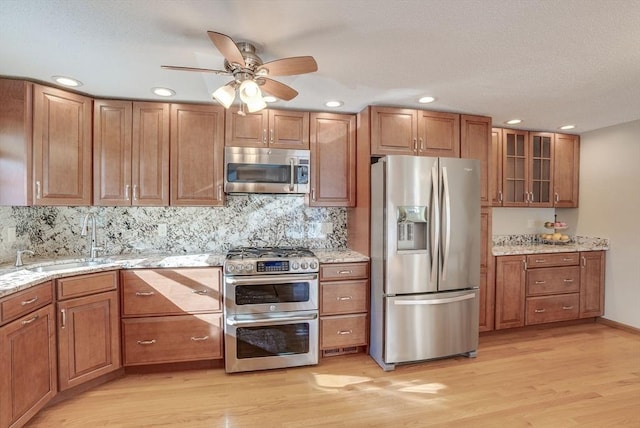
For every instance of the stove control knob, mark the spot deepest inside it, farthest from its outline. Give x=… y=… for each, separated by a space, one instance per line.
x=230 y=268
x=304 y=265
x=313 y=265
x=248 y=267
x=239 y=267
x=295 y=266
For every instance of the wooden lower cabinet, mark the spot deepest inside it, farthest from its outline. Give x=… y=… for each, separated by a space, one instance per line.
x=510 y=291
x=592 y=270
x=541 y=309
x=487 y=294
x=88 y=330
x=344 y=307
x=27 y=366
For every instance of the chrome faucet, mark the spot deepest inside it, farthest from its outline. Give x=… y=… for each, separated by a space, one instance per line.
x=93 y=251
x=19 y=254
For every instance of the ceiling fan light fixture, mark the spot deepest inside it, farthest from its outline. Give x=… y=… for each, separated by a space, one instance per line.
x=67 y=81
x=249 y=90
x=225 y=95
x=256 y=104
x=269 y=99
x=426 y=100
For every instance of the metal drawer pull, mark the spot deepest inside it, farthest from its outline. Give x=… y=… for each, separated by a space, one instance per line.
x=146 y=342
x=63 y=322
x=541 y=261
x=344 y=298
x=30 y=301
x=30 y=320
x=568 y=280
x=145 y=293
x=199 y=339
x=539 y=311
x=200 y=292
x=567 y=308
x=345 y=272
x=345 y=331
x=541 y=282
x=567 y=259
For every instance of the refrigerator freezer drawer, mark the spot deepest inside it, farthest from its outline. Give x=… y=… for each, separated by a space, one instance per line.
x=427 y=326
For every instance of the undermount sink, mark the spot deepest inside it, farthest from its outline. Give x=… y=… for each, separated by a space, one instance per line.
x=64 y=266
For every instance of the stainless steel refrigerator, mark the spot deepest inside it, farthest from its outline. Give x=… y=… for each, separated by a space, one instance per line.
x=425 y=258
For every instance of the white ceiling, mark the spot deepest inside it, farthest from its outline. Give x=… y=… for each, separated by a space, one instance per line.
x=548 y=62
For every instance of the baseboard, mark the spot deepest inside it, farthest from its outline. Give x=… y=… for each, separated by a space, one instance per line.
x=618 y=325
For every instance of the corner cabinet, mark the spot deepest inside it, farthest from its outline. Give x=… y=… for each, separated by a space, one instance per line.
x=282 y=129
x=61 y=147
x=130 y=153
x=196 y=155
x=333 y=154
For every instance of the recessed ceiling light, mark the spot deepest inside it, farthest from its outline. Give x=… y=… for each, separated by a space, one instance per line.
x=269 y=99
x=67 y=81
x=163 y=92
x=566 y=127
x=426 y=100
x=333 y=103
x=513 y=121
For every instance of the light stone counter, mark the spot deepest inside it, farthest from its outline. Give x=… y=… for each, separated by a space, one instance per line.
x=340 y=256
x=519 y=245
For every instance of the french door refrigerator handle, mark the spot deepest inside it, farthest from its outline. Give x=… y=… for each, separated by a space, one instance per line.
x=447 y=208
x=435 y=234
x=434 y=301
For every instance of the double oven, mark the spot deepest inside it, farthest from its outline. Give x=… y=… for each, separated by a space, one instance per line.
x=271 y=308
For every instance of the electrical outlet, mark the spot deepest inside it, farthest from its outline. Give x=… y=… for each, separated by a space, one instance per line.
x=162 y=229
x=11 y=234
x=326 y=228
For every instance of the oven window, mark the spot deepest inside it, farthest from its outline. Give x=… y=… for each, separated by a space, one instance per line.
x=274 y=293
x=266 y=173
x=269 y=341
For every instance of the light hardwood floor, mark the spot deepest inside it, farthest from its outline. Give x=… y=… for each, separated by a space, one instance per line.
x=585 y=375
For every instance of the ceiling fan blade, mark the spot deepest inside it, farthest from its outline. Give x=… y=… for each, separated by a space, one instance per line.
x=201 y=70
x=227 y=48
x=277 y=89
x=290 y=66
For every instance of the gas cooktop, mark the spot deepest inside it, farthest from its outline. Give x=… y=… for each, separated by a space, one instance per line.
x=268 y=260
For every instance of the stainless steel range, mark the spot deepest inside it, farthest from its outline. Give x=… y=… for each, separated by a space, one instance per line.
x=271 y=308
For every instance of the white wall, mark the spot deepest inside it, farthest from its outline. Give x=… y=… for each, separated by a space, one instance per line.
x=521 y=221
x=610 y=208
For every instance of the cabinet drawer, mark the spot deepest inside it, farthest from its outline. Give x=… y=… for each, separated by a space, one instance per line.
x=342 y=331
x=343 y=297
x=170 y=291
x=172 y=339
x=549 y=260
x=552 y=308
x=84 y=285
x=23 y=302
x=333 y=271
x=553 y=281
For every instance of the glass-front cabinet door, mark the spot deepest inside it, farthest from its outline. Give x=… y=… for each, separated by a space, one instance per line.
x=541 y=166
x=515 y=168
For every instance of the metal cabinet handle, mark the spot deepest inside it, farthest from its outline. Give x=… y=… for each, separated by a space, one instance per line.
x=342 y=298
x=345 y=272
x=524 y=265
x=271 y=135
x=567 y=259
x=126 y=192
x=567 y=308
x=292 y=174
x=28 y=302
x=539 y=311
x=313 y=194
x=264 y=136
x=30 y=320
x=145 y=293
x=557 y=198
x=200 y=292
x=541 y=282
x=220 y=192
x=421 y=144
x=415 y=145
x=568 y=280
x=541 y=260
x=343 y=332
x=38 y=191
x=63 y=313
x=199 y=339
x=146 y=342
x=584 y=261
x=500 y=196
x=135 y=192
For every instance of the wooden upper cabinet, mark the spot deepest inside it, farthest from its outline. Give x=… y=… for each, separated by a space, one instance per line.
x=515 y=171
x=438 y=134
x=475 y=143
x=333 y=154
x=196 y=154
x=284 y=129
x=394 y=131
x=131 y=153
x=16 y=134
x=61 y=147
x=495 y=168
x=566 y=170
x=541 y=161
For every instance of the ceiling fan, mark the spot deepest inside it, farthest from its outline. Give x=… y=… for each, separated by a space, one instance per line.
x=250 y=74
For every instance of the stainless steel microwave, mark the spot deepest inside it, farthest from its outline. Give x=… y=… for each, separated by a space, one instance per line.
x=264 y=170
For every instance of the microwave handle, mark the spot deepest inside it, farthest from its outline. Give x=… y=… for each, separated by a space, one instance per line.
x=292 y=178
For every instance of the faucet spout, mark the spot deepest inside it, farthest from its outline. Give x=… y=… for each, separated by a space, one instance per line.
x=93 y=250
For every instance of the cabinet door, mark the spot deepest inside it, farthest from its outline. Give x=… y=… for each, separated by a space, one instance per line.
x=438 y=134
x=592 y=283
x=515 y=156
x=150 y=155
x=16 y=134
x=88 y=338
x=27 y=366
x=475 y=143
x=248 y=130
x=111 y=153
x=394 y=131
x=288 y=129
x=540 y=169
x=196 y=141
x=487 y=281
x=510 y=291
x=333 y=154
x=566 y=165
x=61 y=147
x=495 y=168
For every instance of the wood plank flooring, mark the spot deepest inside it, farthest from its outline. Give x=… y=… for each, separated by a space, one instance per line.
x=585 y=375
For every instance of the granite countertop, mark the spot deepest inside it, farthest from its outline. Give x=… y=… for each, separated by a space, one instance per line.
x=13 y=279
x=508 y=247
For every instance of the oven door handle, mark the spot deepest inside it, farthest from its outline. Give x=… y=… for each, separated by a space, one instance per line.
x=270 y=321
x=269 y=279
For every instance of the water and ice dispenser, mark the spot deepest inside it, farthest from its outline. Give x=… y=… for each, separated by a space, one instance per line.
x=413 y=228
